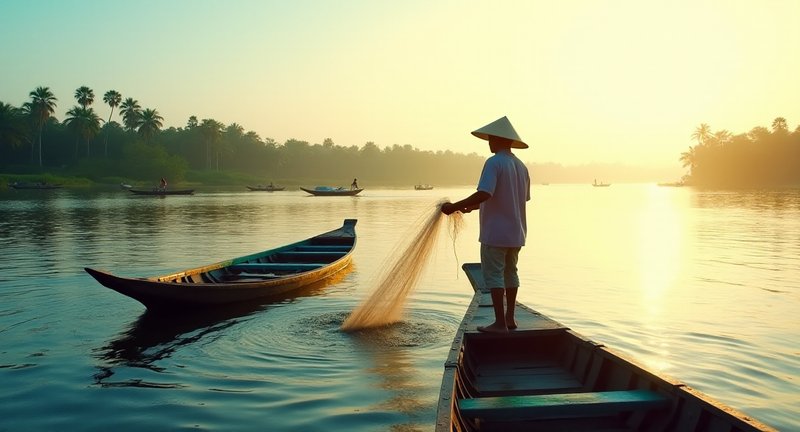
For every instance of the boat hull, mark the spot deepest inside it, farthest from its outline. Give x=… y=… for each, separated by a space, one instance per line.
x=162 y=192
x=266 y=189
x=333 y=192
x=40 y=186
x=544 y=376
x=273 y=272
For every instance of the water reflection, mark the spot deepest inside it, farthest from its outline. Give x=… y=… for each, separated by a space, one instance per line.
x=157 y=334
x=390 y=350
x=774 y=199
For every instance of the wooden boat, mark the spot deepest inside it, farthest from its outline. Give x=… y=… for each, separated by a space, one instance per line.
x=161 y=192
x=267 y=188
x=545 y=377
x=36 y=185
x=601 y=184
x=329 y=191
x=423 y=187
x=272 y=272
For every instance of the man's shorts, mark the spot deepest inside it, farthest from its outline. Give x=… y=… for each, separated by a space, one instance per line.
x=499 y=265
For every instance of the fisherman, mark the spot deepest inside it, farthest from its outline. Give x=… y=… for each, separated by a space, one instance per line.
x=503 y=191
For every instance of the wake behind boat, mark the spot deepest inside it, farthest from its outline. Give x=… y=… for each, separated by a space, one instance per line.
x=268 y=273
x=331 y=191
x=545 y=377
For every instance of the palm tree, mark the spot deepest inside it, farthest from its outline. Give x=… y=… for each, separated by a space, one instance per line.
x=112 y=98
x=12 y=126
x=148 y=124
x=130 y=110
x=721 y=138
x=702 y=133
x=212 y=132
x=85 y=96
x=688 y=159
x=779 y=125
x=40 y=108
x=85 y=122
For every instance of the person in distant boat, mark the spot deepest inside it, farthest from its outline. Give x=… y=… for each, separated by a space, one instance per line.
x=503 y=192
x=163 y=184
x=354 y=185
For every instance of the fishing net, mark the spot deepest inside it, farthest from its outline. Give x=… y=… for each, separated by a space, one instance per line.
x=399 y=278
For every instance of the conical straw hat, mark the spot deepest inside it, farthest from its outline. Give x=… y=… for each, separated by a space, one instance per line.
x=501 y=128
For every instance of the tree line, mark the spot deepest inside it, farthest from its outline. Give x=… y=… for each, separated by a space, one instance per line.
x=138 y=147
x=758 y=158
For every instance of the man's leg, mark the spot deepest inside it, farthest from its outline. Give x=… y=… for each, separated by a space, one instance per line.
x=511 y=301
x=511 y=279
x=499 y=324
x=492 y=266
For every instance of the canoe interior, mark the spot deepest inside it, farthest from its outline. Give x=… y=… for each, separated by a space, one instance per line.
x=273 y=272
x=545 y=377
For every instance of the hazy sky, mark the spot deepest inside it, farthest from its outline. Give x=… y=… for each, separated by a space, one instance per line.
x=582 y=81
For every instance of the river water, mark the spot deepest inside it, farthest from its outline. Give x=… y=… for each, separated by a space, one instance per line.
x=702 y=286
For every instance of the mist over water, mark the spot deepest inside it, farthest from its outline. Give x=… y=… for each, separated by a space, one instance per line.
x=700 y=285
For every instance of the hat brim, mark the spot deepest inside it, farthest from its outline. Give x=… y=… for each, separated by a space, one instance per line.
x=517 y=144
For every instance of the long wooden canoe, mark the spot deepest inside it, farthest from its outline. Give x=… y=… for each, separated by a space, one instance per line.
x=332 y=191
x=160 y=192
x=267 y=188
x=269 y=273
x=25 y=185
x=545 y=377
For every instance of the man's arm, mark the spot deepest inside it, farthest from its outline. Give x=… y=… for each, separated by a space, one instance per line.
x=466 y=205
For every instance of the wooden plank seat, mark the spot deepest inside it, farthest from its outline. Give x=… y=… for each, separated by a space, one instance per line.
x=323 y=248
x=316 y=254
x=561 y=405
x=265 y=267
x=246 y=277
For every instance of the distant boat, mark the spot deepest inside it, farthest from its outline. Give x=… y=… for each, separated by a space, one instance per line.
x=423 y=187
x=36 y=185
x=543 y=376
x=268 y=273
x=267 y=188
x=162 y=192
x=601 y=184
x=125 y=186
x=331 y=191
x=672 y=184
x=545 y=184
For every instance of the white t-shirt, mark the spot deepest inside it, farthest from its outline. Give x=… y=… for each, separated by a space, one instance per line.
x=502 y=217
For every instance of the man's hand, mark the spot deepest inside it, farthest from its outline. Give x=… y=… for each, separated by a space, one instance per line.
x=448 y=208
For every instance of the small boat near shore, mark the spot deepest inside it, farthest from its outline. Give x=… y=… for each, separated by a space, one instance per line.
x=542 y=376
x=34 y=185
x=423 y=187
x=266 y=188
x=161 y=192
x=331 y=191
x=268 y=273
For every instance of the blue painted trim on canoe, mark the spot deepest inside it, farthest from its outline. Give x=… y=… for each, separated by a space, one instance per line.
x=276 y=266
x=559 y=405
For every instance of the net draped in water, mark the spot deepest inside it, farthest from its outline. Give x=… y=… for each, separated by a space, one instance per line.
x=399 y=278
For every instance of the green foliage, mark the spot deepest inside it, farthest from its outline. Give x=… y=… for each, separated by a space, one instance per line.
x=138 y=150
x=758 y=158
x=151 y=162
